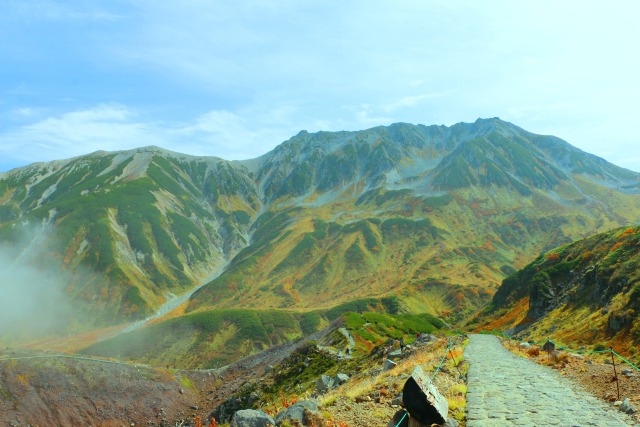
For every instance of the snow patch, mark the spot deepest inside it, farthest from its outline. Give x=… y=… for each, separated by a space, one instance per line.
x=46 y=193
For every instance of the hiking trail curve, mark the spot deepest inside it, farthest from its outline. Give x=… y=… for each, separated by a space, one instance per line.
x=504 y=389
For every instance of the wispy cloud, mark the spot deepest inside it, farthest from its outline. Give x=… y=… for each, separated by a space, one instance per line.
x=111 y=127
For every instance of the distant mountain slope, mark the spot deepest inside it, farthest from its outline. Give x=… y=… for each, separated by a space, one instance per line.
x=586 y=292
x=435 y=215
x=147 y=221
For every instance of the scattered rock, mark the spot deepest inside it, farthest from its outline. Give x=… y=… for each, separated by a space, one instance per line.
x=627 y=372
x=525 y=345
x=396 y=354
x=341 y=379
x=251 y=418
x=326 y=383
x=296 y=413
x=226 y=409
x=389 y=364
x=397 y=400
x=627 y=407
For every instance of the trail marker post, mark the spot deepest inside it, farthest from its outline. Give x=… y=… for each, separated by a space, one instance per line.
x=615 y=374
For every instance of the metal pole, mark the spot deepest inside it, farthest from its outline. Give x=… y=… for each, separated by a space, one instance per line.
x=615 y=374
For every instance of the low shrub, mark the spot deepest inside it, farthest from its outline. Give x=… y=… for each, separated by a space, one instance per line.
x=534 y=351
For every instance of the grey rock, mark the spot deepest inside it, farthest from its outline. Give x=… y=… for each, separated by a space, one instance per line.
x=426 y=338
x=451 y=423
x=251 y=418
x=627 y=372
x=389 y=364
x=341 y=379
x=398 y=400
x=396 y=354
x=324 y=384
x=525 y=345
x=626 y=407
x=295 y=412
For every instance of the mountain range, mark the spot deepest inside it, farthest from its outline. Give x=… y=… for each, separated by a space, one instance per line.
x=430 y=217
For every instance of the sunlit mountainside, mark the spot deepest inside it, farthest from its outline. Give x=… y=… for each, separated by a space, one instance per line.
x=583 y=293
x=432 y=217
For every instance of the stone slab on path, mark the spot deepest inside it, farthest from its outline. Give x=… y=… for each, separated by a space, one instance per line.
x=507 y=390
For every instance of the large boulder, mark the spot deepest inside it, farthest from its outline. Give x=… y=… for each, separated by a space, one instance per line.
x=296 y=413
x=251 y=418
x=422 y=399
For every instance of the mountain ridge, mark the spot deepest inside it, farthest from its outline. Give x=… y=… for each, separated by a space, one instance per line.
x=434 y=214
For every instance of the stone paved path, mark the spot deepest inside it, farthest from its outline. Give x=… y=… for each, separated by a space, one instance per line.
x=508 y=390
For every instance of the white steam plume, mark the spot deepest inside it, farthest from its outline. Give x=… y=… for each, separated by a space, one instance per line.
x=33 y=303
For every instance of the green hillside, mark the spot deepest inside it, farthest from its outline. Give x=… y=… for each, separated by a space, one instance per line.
x=583 y=293
x=214 y=338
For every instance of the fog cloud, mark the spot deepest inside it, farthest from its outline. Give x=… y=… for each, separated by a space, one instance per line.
x=33 y=303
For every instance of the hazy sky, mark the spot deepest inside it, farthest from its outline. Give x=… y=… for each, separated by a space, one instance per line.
x=235 y=78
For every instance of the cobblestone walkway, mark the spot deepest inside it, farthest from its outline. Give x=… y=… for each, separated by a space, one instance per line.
x=508 y=390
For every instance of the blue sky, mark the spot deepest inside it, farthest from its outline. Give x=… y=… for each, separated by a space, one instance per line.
x=234 y=79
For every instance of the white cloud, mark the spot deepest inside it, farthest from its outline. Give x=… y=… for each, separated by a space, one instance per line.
x=112 y=127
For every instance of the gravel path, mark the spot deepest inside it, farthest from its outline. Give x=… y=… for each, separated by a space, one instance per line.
x=507 y=390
